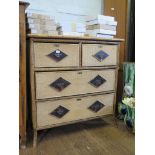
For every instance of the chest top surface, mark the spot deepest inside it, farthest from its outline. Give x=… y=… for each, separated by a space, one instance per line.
x=85 y=38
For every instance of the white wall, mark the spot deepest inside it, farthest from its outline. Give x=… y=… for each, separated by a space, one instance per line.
x=67 y=10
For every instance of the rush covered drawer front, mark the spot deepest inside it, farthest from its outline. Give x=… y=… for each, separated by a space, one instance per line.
x=68 y=83
x=56 y=55
x=99 y=54
x=53 y=113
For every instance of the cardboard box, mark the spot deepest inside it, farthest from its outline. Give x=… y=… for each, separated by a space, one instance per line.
x=101 y=31
x=99 y=21
x=52 y=33
x=32 y=15
x=100 y=17
x=101 y=26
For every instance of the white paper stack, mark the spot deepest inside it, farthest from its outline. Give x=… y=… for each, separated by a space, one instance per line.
x=101 y=26
x=41 y=24
x=72 y=28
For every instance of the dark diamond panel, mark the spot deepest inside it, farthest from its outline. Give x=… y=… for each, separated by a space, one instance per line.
x=60 y=111
x=60 y=84
x=97 y=81
x=101 y=55
x=96 y=106
x=57 y=55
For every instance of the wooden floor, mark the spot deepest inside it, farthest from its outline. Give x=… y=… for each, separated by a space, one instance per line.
x=96 y=137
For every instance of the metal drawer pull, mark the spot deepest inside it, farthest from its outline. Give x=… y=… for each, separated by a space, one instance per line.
x=79 y=72
x=97 y=81
x=59 y=111
x=60 y=84
x=99 y=46
x=101 y=55
x=95 y=107
x=79 y=99
x=56 y=45
x=57 y=55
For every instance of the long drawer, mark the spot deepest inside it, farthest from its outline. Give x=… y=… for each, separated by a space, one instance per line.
x=67 y=83
x=56 y=55
x=66 y=110
x=99 y=55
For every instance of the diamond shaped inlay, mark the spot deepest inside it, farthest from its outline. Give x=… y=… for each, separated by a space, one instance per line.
x=60 y=111
x=57 y=55
x=101 y=55
x=96 y=106
x=60 y=84
x=97 y=81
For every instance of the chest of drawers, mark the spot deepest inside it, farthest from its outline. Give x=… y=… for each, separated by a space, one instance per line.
x=72 y=79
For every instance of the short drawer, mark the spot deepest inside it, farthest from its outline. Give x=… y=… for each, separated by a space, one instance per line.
x=67 y=83
x=56 y=55
x=99 y=55
x=67 y=110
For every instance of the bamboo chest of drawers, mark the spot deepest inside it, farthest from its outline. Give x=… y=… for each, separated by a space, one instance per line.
x=72 y=79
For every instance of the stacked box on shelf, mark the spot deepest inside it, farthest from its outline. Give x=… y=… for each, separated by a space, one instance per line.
x=72 y=28
x=101 y=26
x=41 y=24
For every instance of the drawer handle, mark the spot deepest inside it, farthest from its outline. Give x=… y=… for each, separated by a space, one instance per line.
x=60 y=84
x=99 y=46
x=101 y=55
x=56 y=45
x=96 y=106
x=97 y=81
x=59 y=111
x=79 y=99
x=79 y=72
x=57 y=55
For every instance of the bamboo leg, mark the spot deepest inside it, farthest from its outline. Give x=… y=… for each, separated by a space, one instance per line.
x=23 y=141
x=35 y=138
x=115 y=120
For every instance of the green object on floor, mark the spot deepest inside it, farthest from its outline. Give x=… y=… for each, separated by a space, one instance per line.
x=127 y=114
x=129 y=118
x=129 y=79
x=126 y=108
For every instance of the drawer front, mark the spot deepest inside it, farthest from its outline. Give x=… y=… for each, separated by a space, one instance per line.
x=66 y=83
x=99 y=55
x=66 y=110
x=56 y=55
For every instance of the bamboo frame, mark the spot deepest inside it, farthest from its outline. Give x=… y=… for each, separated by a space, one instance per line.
x=62 y=39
